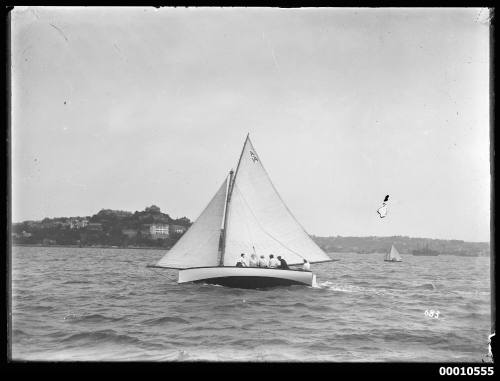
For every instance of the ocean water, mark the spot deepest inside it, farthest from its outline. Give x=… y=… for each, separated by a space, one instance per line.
x=104 y=304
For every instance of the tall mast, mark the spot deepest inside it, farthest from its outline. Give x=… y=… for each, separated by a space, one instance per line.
x=223 y=236
x=223 y=229
x=241 y=155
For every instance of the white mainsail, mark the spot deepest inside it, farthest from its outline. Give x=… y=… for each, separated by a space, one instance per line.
x=393 y=255
x=199 y=246
x=258 y=218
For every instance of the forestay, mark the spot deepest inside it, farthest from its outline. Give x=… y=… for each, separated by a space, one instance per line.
x=199 y=246
x=259 y=220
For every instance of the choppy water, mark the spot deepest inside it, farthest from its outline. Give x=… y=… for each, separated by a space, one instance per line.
x=103 y=304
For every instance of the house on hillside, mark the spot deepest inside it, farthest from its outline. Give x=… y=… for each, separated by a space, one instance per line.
x=75 y=223
x=159 y=231
x=179 y=229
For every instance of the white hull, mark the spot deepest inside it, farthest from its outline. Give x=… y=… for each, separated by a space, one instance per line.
x=246 y=277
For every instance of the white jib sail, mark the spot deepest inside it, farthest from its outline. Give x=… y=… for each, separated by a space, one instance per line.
x=257 y=217
x=394 y=254
x=199 y=246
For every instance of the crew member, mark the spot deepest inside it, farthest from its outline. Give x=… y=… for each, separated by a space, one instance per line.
x=306 y=266
x=283 y=264
x=242 y=262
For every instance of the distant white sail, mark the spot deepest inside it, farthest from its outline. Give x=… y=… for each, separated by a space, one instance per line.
x=257 y=217
x=393 y=255
x=199 y=246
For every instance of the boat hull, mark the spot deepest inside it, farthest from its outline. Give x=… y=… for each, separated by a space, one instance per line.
x=246 y=277
x=390 y=260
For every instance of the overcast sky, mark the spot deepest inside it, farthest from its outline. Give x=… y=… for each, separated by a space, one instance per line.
x=124 y=108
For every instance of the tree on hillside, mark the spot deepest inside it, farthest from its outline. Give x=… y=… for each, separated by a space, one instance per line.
x=152 y=209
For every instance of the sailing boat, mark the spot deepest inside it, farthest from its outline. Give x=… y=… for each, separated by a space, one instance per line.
x=393 y=256
x=246 y=215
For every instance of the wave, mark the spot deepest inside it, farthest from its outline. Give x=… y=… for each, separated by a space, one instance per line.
x=19 y=333
x=102 y=336
x=320 y=308
x=42 y=308
x=467 y=293
x=261 y=341
x=298 y=304
x=166 y=319
x=476 y=315
x=91 y=318
x=118 y=297
x=346 y=276
x=427 y=286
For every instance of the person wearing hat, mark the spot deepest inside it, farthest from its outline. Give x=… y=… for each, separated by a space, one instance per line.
x=263 y=262
x=283 y=264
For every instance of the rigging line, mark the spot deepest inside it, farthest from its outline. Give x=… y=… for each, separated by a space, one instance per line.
x=258 y=223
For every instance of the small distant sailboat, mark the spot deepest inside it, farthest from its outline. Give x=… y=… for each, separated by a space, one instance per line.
x=246 y=215
x=393 y=256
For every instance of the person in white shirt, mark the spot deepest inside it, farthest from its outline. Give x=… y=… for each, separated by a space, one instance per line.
x=242 y=262
x=306 y=266
x=273 y=262
x=253 y=261
x=263 y=262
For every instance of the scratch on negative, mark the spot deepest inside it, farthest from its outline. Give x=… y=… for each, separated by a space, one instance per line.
x=272 y=51
x=485 y=19
x=60 y=31
x=118 y=50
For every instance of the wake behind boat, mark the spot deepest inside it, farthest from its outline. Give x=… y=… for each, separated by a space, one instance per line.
x=393 y=256
x=246 y=215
